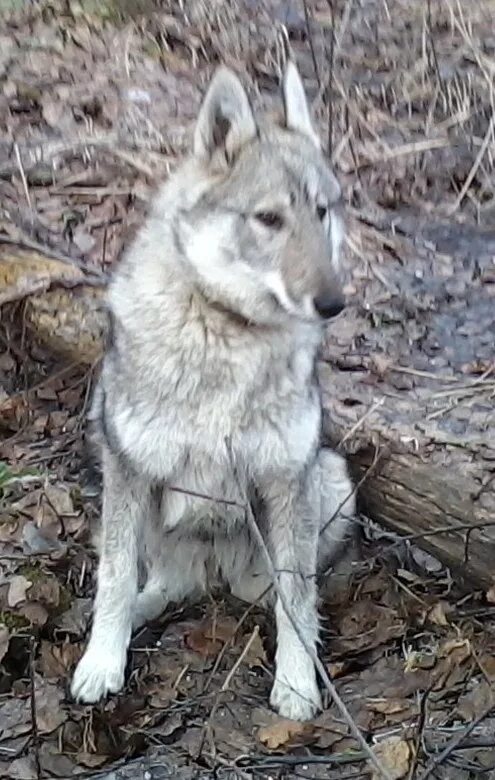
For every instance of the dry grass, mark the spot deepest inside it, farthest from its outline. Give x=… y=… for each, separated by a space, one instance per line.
x=403 y=91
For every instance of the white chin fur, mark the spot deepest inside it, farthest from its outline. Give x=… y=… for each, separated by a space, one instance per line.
x=275 y=284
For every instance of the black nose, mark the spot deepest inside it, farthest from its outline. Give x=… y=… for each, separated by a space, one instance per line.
x=328 y=307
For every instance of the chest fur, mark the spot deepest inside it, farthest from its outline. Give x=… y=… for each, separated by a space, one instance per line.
x=196 y=394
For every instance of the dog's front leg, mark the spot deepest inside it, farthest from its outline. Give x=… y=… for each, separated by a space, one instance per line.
x=292 y=533
x=126 y=501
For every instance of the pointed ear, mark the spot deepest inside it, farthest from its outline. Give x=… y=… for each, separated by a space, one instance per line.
x=297 y=116
x=225 y=120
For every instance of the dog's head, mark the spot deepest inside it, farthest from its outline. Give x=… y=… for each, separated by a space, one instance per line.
x=264 y=230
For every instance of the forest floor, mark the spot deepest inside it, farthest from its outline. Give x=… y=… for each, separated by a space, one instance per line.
x=96 y=104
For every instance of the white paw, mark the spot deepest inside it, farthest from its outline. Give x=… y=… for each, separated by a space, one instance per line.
x=296 y=699
x=98 y=673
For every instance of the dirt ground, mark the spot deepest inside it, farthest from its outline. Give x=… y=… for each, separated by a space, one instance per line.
x=96 y=105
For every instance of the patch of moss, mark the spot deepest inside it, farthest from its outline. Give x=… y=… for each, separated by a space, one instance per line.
x=33 y=572
x=76 y=496
x=12 y=620
x=65 y=601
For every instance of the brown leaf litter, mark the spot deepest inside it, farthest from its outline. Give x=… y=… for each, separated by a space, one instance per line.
x=95 y=109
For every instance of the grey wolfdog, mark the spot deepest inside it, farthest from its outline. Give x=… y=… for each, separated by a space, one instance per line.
x=208 y=399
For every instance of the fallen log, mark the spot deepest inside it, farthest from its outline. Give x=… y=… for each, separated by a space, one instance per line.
x=408 y=381
x=409 y=389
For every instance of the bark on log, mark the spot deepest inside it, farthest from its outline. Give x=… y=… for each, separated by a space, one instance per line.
x=424 y=349
x=407 y=380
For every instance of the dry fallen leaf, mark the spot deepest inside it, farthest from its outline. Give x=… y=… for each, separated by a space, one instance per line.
x=46 y=590
x=417 y=660
x=161 y=694
x=255 y=655
x=75 y=620
x=59 y=498
x=328 y=731
x=451 y=668
x=57 y=660
x=283 y=732
x=15 y=718
x=394 y=754
x=388 y=706
x=473 y=704
x=36 y=540
x=365 y=625
x=23 y=768
x=437 y=615
x=49 y=712
x=336 y=669
x=490 y=595
x=91 y=760
x=4 y=641
x=19 y=585
x=34 y=612
x=210 y=636
x=487 y=664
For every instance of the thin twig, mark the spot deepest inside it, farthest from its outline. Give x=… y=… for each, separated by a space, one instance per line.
x=34 y=719
x=207 y=729
x=423 y=374
x=374 y=156
x=131 y=159
x=206 y=497
x=331 y=63
x=42 y=152
x=434 y=52
x=455 y=742
x=264 y=762
x=228 y=679
x=361 y=420
x=24 y=180
x=257 y=535
x=419 y=731
x=344 y=22
x=447 y=529
x=472 y=173
x=355 y=489
x=311 y=43
x=225 y=645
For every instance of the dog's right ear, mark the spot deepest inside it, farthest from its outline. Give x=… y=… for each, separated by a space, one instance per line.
x=297 y=115
x=226 y=120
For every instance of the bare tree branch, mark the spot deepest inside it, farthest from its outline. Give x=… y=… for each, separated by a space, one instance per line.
x=251 y=520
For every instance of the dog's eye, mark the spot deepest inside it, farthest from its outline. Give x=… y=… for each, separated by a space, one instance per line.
x=270 y=219
x=321 y=212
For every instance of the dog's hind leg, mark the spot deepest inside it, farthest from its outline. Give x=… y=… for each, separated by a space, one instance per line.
x=126 y=505
x=178 y=572
x=338 y=507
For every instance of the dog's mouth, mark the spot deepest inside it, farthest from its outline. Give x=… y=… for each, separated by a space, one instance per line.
x=296 y=312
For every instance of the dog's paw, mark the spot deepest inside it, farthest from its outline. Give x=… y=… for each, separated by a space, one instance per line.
x=98 y=673
x=296 y=699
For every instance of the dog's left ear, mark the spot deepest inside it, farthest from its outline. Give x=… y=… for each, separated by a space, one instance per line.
x=226 y=120
x=297 y=116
